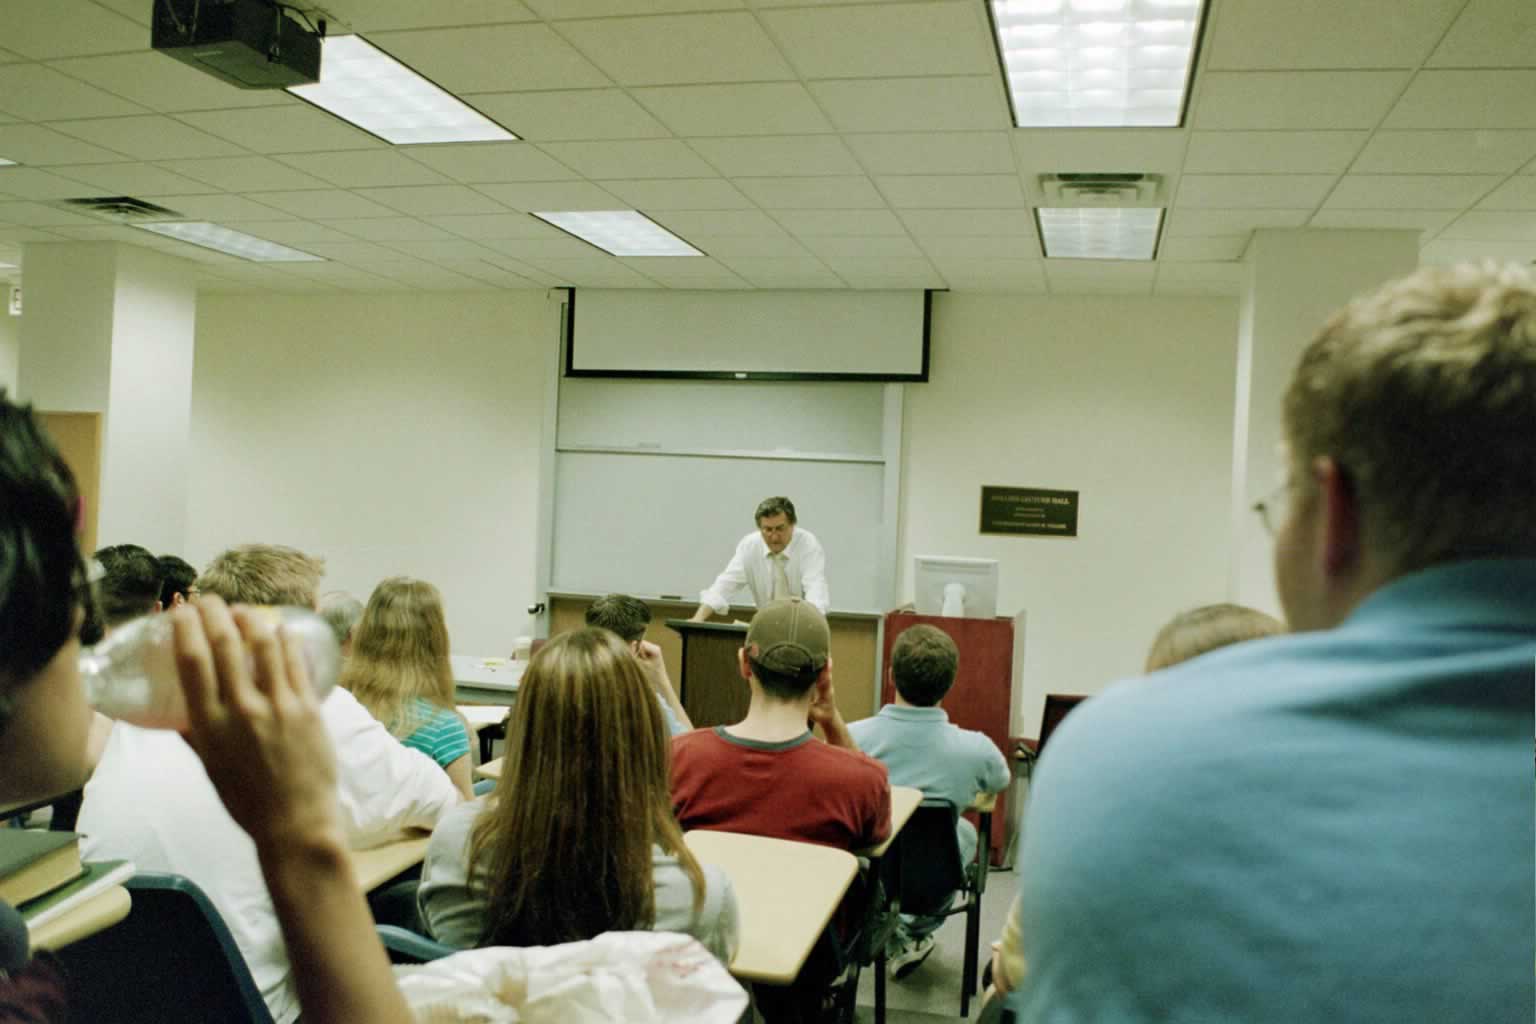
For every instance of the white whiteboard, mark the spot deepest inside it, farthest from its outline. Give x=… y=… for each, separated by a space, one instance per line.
x=661 y=524
x=880 y=335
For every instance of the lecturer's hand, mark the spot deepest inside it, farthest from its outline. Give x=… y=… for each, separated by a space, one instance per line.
x=702 y=614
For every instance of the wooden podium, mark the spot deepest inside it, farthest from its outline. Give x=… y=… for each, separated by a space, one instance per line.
x=982 y=697
x=710 y=684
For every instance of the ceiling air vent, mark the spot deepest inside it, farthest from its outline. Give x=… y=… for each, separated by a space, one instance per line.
x=118 y=209
x=1115 y=188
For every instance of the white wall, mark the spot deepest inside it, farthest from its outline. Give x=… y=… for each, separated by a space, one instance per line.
x=395 y=433
x=1128 y=401
x=10 y=345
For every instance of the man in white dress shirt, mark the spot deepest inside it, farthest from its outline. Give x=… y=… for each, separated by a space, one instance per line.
x=777 y=561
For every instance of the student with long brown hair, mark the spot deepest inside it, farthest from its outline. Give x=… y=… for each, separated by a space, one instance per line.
x=579 y=836
x=399 y=670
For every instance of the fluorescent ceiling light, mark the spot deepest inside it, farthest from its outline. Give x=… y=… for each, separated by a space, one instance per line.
x=7 y=163
x=1097 y=63
x=235 y=243
x=366 y=86
x=620 y=232
x=1100 y=232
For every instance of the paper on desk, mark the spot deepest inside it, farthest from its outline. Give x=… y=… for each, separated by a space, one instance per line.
x=484 y=714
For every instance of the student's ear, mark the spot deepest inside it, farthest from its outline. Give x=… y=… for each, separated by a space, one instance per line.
x=178 y=599
x=742 y=664
x=1341 y=547
x=159 y=606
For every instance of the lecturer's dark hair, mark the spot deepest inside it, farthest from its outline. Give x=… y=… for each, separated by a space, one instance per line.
x=776 y=506
x=40 y=569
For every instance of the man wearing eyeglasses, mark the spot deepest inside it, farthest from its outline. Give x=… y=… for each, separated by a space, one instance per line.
x=775 y=562
x=1334 y=825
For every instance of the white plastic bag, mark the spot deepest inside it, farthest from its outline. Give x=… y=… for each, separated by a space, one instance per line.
x=628 y=977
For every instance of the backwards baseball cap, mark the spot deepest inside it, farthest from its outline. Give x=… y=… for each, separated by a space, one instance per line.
x=789 y=637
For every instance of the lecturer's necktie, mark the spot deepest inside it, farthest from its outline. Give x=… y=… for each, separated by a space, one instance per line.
x=780 y=577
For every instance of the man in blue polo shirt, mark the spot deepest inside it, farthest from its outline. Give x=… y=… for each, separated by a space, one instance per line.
x=919 y=746
x=1334 y=825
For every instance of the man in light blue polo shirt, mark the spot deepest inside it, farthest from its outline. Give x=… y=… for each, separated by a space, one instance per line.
x=919 y=746
x=1334 y=825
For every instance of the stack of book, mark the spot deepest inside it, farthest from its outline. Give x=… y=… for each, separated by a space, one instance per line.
x=42 y=876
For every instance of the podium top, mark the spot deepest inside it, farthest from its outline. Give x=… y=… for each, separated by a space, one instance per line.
x=683 y=625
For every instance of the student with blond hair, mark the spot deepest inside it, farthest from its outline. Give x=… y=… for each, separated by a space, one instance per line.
x=399 y=670
x=1202 y=630
x=579 y=836
x=264 y=574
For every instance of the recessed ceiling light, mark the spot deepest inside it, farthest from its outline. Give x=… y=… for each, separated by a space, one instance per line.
x=1099 y=233
x=7 y=163
x=364 y=85
x=235 y=243
x=1097 y=63
x=620 y=232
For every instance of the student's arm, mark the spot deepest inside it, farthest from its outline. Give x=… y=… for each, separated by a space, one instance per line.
x=717 y=597
x=1008 y=955
x=384 y=786
x=461 y=774
x=656 y=667
x=260 y=736
x=995 y=775
x=825 y=714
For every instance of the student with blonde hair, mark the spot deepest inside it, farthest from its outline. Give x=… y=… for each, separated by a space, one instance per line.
x=399 y=670
x=579 y=836
x=1204 y=629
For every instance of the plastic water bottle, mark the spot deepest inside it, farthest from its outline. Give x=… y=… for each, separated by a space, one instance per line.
x=131 y=675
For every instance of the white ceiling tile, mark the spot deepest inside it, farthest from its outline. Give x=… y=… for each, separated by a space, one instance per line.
x=164 y=83
x=386 y=15
x=1199 y=279
x=37 y=146
x=785 y=274
x=553 y=195
x=1463 y=250
x=19 y=235
x=1272 y=152
x=844 y=223
x=1187 y=222
x=593 y=272
x=355 y=253
x=556 y=9
x=678 y=194
x=103 y=233
x=1427 y=221
x=761 y=108
x=1299 y=100
x=1235 y=191
x=363 y=169
x=222 y=209
x=494 y=58
x=881 y=273
x=1026 y=277
x=1518 y=193
x=778 y=156
x=69 y=28
x=7 y=57
x=294 y=232
x=842 y=250
x=433 y=200
x=1255 y=34
x=1448 y=152
x=735 y=223
x=244 y=174
x=812 y=193
x=1463 y=100
x=30 y=183
x=730 y=247
x=490 y=162
x=952 y=191
x=1202 y=248
x=1502 y=226
x=1050 y=151
x=969 y=223
x=322 y=203
x=33 y=92
x=885 y=40
x=565 y=247
x=151 y=137
x=336 y=275
x=570 y=114
x=689 y=272
x=643 y=158
x=500 y=225
x=961 y=250
x=680 y=49
x=935 y=152
x=421 y=275
x=968 y=103
x=295 y=128
x=391 y=229
x=1490 y=33
x=491 y=273
x=1099 y=277
x=143 y=180
x=444 y=249
x=1409 y=191
x=40 y=215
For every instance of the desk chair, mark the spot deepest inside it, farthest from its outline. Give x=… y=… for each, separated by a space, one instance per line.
x=407 y=947
x=171 y=959
x=929 y=870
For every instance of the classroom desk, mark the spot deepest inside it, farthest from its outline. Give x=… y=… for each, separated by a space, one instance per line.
x=779 y=922
x=882 y=914
x=101 y=911
x=474 y=673
x=489 y=770
x=380 y=864
x=488 y=721
x=904 y=800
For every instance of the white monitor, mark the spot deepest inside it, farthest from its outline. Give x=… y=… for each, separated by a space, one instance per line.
x=957 y=587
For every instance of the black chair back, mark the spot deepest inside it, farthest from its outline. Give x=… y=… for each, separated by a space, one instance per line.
x=171 y=959
x=930 y=859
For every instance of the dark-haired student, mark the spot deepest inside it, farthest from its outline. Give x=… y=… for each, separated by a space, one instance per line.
x=179 y=581
x=627 y=617
x=254 y=723
x=130 y=583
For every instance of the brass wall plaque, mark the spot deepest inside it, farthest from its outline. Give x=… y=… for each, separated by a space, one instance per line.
x=1029 y=511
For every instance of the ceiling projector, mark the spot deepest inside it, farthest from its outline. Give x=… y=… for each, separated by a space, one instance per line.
x=252 y=44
